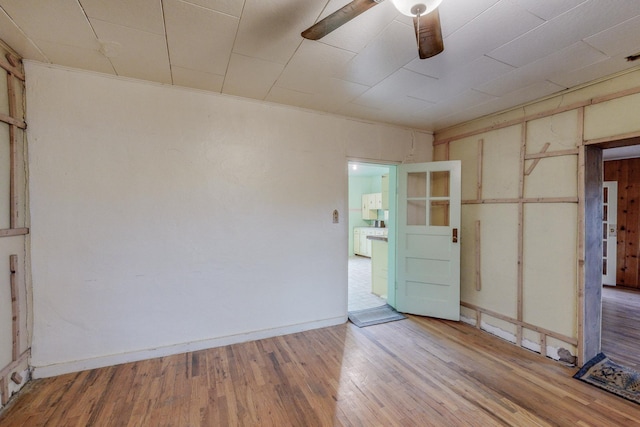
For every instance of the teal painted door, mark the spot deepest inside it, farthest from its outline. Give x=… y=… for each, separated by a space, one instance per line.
x=428 y=239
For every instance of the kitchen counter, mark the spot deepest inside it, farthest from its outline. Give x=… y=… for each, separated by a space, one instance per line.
x=381 y=238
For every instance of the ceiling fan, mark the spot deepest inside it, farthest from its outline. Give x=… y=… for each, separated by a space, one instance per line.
x=426 y=21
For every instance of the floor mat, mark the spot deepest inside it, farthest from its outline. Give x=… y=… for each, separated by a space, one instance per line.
x=607 y=375
x=374 y=316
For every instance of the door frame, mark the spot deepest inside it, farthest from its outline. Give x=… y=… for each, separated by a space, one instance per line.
x=590 y=258
x=391 y=234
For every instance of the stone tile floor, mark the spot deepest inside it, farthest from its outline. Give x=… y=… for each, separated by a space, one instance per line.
x=360 y=296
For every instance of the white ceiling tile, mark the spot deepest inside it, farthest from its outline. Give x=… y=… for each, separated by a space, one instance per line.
x=454 y=14
x=464 y=101
x=61 y=21
x=397 y=86
x=312 y=63
x=231 y=7
x=332 y=96
x=14 y=37
x=520 y=96
x=392 y=49
x=76 y=57
x=458 y=80
x=282 y=95
x=549 y=9
x=137 y=54
x=496 y=26
x=622 y=39
x=588 y=18
x=196 y=79
x=199 y=39
x=340 y=92
x=144 y=15
x=250 y=77
x=356 y=34
x=497 y=52
x=576 y=56
x=270 y=29
x=591 y=72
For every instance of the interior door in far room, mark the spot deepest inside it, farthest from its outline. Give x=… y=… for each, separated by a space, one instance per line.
x=428 y=240
x=609 y=232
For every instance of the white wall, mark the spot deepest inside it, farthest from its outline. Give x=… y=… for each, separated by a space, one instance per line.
x=166 y=220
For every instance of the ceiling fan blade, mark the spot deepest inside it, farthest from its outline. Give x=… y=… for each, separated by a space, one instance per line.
x=429 y=34
x=338 y=18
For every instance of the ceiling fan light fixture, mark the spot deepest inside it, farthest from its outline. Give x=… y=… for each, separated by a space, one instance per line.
x=416 y=7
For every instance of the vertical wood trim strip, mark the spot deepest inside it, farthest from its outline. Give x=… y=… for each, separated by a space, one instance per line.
x=478 y=263
x=581 y=239
x=543 y=344
x=520 y=292
x=4 y=389
x=479 y=166
x=15 y=307
x=13 y=157
x=478 y=319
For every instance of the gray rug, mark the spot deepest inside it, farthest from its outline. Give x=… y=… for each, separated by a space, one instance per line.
x=602 y=372
x=374 y=316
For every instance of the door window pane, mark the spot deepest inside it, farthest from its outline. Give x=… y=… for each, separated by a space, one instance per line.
x=439 y=213
x=416 y=212
x=439 y=184
x=417 y=184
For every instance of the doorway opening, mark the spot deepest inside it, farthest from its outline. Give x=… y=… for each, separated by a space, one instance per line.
x=612 y=297
x=371 y=203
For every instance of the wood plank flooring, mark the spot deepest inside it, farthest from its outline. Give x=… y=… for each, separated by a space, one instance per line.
x=621 y=325
x=413 y=372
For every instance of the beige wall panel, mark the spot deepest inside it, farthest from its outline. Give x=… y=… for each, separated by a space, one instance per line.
x=466 y=150
x=21 y=179
x=568 y=98
x=482 y=123
x=499 y=257
x=579 y=95
x=557 y=344
x=530 y=335
x=499 y=327
x=4 y=97
x=611 y=118
x=440 y=152
x=550 y=282
x=501 y=163
x=468 y=313
x=4 y=175
x=552 y=177
x=560 y=130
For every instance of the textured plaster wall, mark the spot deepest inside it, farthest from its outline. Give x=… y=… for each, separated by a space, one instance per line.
x=167 y=219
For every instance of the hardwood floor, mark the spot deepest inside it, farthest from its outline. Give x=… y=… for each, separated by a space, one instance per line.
x=413 y=372
x=621 y=325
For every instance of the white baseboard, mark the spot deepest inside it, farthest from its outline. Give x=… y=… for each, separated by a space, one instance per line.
x=116 y=359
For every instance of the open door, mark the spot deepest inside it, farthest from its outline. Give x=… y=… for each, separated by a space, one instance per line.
x=428 y=239
x=609 y=232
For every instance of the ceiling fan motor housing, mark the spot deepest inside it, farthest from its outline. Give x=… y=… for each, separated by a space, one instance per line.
x=416 y=7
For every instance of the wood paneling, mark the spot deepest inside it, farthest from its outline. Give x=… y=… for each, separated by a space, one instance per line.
x=414 y=372
x=627 y=173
